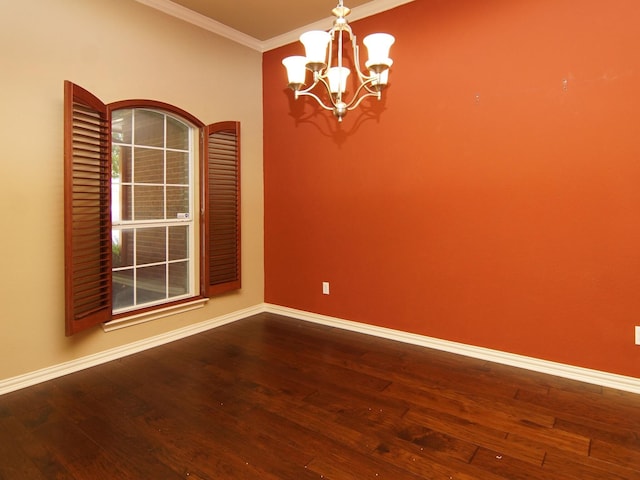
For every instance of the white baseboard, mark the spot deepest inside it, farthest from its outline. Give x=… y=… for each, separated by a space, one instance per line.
x=596 y=377
x=49 y=373
x=611 y=380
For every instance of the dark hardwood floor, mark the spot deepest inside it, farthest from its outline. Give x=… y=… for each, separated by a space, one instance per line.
x=274 y=398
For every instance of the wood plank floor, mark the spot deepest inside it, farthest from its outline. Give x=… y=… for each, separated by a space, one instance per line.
x=275 y=398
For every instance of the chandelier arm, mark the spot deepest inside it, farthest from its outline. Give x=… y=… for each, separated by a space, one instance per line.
x=367 y=86
x=338 y=28
x=356 y=60
x=339 y=94
x=357 y=98
x=313 y=95
x=317 y=78
x=354 y=106
x=322 y=79
x=339 y=48
x=330 y=56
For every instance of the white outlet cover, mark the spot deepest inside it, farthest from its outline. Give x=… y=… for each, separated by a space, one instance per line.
x=325 y=288
x=637 y=335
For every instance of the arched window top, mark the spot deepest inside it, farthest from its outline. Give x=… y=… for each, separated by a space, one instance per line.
x=155 y=105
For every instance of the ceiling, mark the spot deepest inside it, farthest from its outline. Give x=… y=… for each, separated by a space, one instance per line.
x=265 y=19
x=265 y=24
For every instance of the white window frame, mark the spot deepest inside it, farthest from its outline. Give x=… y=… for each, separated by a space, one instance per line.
x=189 y=221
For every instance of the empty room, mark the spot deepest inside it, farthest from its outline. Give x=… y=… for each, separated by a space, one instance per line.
x=293 y=240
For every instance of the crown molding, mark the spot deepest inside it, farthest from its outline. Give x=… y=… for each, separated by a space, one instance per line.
x=178 y=11
x=202 y=21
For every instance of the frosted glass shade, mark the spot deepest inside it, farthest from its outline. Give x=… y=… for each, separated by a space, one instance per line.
x=338 y=79
x=315 y=45
x=296 y=70
x=378 y=45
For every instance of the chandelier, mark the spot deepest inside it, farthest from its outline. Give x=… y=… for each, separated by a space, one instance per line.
x=330 y=73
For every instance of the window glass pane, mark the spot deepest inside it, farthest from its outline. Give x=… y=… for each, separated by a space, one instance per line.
x=149 y=128
x=177 y=134
x=116 y=154
x=121 y=126
x=151 y=284
x=178 y=279
x=178 y=242
x=178 y=168
x=177 y=202
x=116 y=207
x=124 y=166
x=122 y=248
x=149 y=165
x=125 y=203
x=122 y=289
x=148 y=203
x=151 y=245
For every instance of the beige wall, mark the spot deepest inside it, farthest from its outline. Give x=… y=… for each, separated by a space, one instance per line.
x=117 y=49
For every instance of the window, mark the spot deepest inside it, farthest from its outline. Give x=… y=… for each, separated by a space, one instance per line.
x=152 y=208
x=152 y=202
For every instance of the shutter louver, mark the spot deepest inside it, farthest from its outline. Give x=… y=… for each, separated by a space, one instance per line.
x=223 y=176
x=87 y=210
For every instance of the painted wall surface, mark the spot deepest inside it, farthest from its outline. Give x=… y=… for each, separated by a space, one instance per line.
x=118 y=49
x=492 y=198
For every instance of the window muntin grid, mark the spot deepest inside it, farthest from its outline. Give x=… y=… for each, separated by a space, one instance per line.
x=152 y=200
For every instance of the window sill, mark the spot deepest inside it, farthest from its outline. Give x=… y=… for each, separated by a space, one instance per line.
x=137 y=319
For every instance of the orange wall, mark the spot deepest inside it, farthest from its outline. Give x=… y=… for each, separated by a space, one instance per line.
x=493 y=197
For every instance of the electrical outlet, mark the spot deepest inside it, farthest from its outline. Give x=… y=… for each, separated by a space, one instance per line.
x=325 y=288
x=637 y=335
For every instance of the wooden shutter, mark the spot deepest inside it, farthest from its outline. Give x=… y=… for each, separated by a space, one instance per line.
x=87 y=215
x=222 y=231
